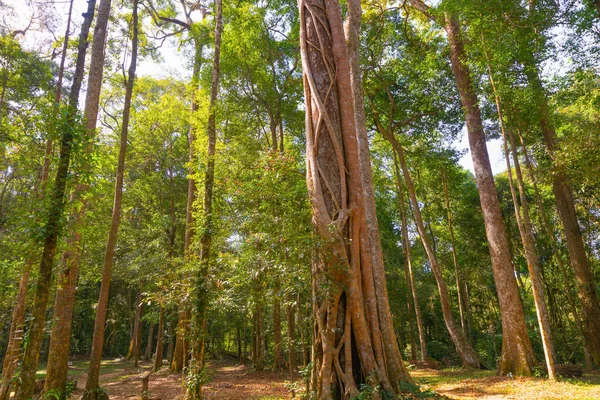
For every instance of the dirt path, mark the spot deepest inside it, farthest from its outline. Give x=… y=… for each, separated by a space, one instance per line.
x=228 y=381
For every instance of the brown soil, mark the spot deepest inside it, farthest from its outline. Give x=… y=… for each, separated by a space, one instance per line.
x=228 y=381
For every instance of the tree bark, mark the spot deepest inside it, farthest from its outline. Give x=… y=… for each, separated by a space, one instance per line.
x=57 y=205
x=92 y=383
x=350 y=305
x=517 y=354
x=563 y=192
x=58 y=356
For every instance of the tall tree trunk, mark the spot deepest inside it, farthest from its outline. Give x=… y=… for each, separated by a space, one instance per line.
x=527 y=238
x=56 y=210
x=182 y=333
x=410 y=279
x=393 y=357
x=517 y=354
x=291 y=325
x=57 y=369
x=199 y=337
x=563 y=192
x=158 y=358
x=533 y=264
x=352 y=316
x=557 y=256
x=464 y=349
x=92 y=383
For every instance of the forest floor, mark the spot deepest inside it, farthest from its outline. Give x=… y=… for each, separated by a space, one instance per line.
x=472 y=384
x=228 y=380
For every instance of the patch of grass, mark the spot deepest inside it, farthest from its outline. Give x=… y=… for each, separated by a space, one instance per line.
x=460 y=384
x=79 y=367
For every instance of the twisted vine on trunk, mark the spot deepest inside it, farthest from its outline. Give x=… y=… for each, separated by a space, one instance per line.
x=350 y=300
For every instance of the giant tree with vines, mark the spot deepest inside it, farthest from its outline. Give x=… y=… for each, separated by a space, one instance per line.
x=351 y=310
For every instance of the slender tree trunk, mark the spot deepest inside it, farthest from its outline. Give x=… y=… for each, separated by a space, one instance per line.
x=527 y=238
x=563 y=192
x=533 y=264
x=459 y=285
x=148 y=353
x=352 y=316
x=134 y=329
x=16 y=333
x=517 y=354
x=277 y=337
x=171 y=347
x=182 y=336
x=291 y=325
x=258 y=345
x=238 y=339
x=57 y=369
x=468 y=310
x=57 y=205
x=200 y=323
x=179 y=354
x=300 y=326
x=158 y=358
x=136 y=337
x=557 y=256
x=92 y=383
x=465 y=351
x=410 y=279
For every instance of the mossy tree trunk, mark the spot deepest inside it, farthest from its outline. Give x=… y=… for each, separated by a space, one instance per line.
x=52 y=228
